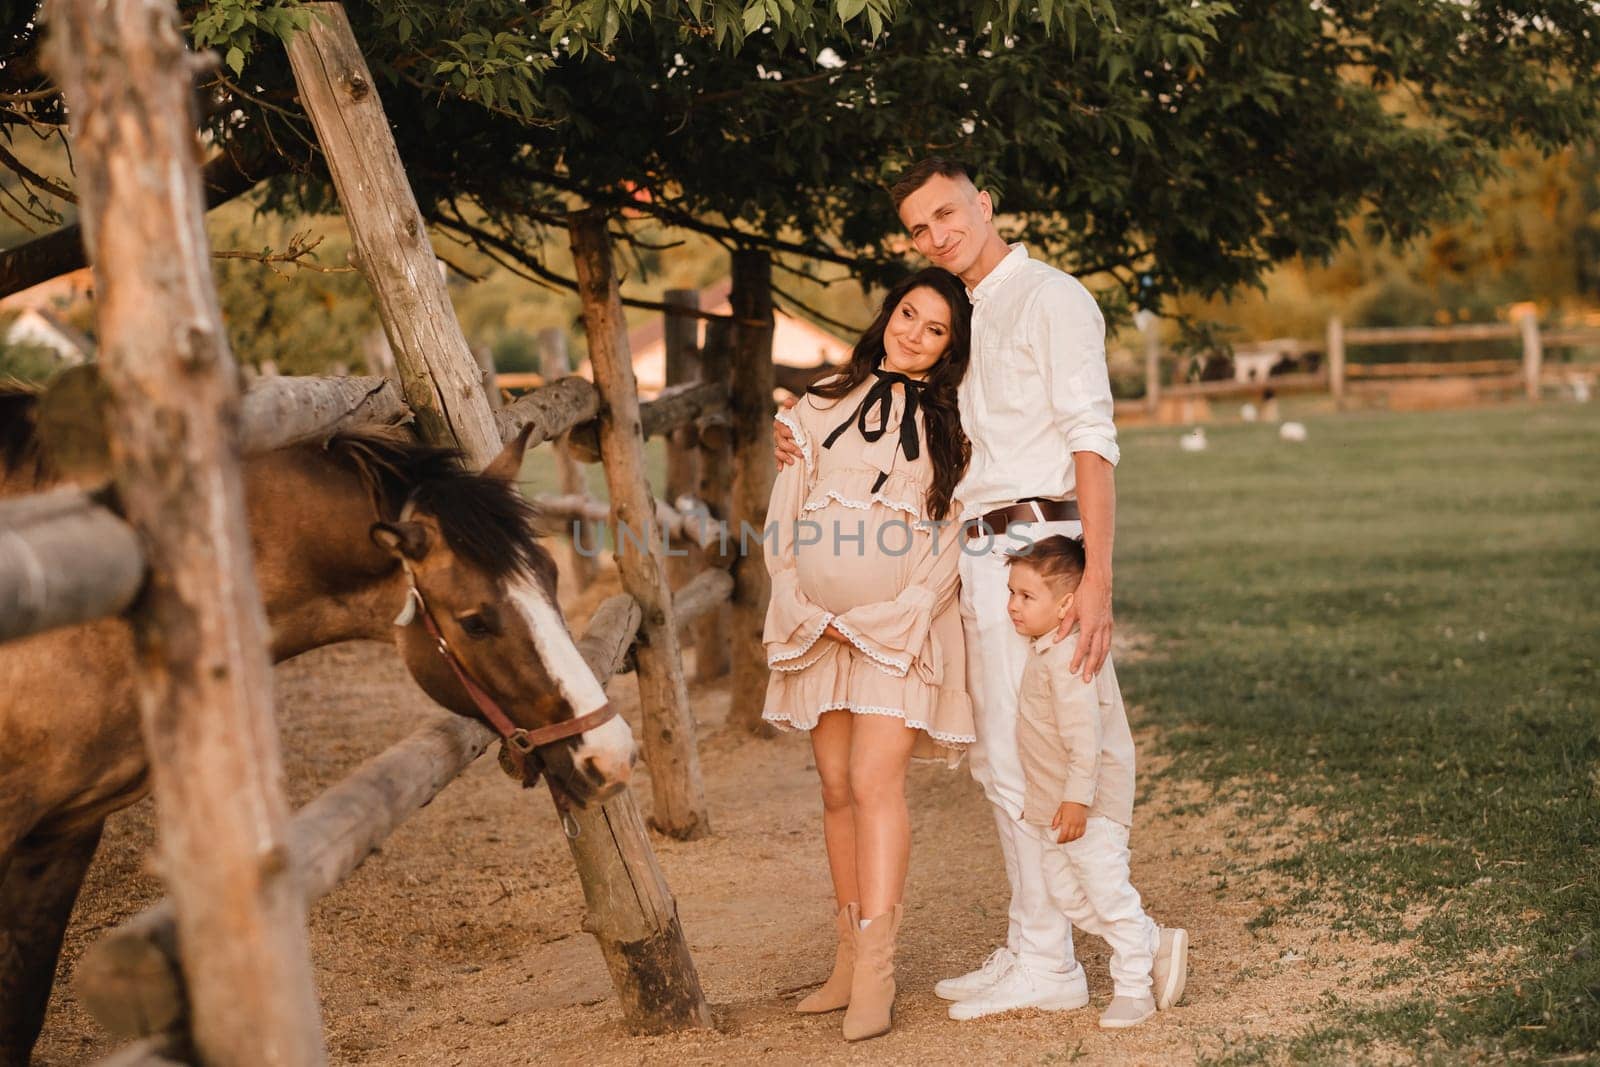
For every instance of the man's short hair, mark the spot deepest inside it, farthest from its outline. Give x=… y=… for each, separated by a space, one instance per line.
x=920 y=173
x=1060 y=560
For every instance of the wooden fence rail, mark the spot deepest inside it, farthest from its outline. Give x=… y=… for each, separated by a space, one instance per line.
x=64 y=560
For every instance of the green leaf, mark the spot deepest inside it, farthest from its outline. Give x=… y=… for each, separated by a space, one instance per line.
x=754 y=16
x=849 y=9
x=235 y=59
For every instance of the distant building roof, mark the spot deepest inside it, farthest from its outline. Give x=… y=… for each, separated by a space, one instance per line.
x=795 y=342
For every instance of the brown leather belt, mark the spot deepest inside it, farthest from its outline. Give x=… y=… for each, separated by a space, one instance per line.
x=1033 y=509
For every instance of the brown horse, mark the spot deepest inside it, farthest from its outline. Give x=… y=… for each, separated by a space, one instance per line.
x=342 y=534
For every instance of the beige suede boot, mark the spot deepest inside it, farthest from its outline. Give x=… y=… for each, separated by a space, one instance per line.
x=872 y=987
x=835 y=992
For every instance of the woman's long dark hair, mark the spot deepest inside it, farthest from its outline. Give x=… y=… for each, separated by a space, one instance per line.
x=946 y=443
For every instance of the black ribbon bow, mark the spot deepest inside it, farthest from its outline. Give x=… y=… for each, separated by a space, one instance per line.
x=881 y=398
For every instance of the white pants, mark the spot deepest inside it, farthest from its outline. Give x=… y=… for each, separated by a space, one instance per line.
x=1088 y=880
x=1038 y=932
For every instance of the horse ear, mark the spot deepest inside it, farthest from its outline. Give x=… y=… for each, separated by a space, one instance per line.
x=507 y=466
x=408 y=540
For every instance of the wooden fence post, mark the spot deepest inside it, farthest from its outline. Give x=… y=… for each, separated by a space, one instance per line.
x=438 y=374
x=668 y=726
x=1532 y=351
x=203 y=676
x=751 y=407
x=711 y=657
x=554 y=364
x=683 y=365
x=1336 y=359
x=1148 y=325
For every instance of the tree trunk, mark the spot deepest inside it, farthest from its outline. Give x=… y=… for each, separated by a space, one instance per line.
x=751 y=407
x=204 y=679
x=438 y=375
x=669 y=733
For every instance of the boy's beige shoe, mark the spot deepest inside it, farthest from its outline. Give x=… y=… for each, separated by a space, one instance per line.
x=1169 y=973
x=835 y=992
x=1124 y=1012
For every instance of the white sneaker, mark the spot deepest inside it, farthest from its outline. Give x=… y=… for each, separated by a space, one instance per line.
x=973 y=982
x=1022 y=987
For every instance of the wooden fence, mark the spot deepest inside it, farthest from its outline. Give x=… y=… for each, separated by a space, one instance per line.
x=221 y=971
x=1340 y=378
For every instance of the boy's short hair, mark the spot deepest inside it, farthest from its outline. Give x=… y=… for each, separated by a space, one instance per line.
x=1059 y=560
x=921 y=172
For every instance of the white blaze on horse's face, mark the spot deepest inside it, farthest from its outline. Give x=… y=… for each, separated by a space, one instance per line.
x=608 y=748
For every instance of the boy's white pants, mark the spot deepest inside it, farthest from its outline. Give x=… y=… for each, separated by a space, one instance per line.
x=1089 y=882
x=1038 y=931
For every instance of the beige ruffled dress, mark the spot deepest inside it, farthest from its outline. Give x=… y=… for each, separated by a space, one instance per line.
x=854 y=547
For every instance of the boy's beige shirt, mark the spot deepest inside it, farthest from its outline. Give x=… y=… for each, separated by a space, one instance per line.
x=1073 y=737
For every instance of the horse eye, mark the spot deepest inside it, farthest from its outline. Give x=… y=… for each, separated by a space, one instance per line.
x=476 y=625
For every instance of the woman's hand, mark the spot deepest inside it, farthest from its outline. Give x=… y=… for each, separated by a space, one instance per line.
x=783 y=442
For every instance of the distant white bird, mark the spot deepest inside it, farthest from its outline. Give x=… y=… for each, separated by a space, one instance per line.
x=1292 y=431
x=1194 y=440
x=1248 y=413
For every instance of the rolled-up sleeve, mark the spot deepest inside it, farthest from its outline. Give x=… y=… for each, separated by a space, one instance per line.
x=1067 y=336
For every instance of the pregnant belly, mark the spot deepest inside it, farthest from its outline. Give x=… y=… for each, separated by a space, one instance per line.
x=857 y=557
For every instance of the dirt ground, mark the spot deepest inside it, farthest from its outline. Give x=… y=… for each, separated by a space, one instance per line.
x=459 y=942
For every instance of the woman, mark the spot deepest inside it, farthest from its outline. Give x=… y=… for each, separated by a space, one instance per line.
x=863 y=632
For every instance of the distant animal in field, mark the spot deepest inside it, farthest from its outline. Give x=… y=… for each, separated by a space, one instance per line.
x=1249 y=413
x=1580 y=390
x=1194 y=440
x=368 y=535
x=1292 y=431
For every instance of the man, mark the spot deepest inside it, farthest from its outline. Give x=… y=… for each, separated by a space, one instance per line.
x=1036 y=405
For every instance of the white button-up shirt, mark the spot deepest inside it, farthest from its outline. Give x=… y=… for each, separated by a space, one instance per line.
x=1037 y=388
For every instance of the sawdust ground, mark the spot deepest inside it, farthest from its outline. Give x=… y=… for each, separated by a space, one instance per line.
x=459 y=942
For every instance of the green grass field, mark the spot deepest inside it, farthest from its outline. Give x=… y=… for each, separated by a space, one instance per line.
x=1396 y=623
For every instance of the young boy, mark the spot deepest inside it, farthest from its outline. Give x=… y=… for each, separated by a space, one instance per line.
x=1077 y=761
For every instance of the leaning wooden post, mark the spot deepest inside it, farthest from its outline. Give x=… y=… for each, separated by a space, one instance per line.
x=1336 y=359
x=438 y=374
x=554 y=364
x=715 y=434
x=203 y=676
x=751 y=407
x=335 y=86
x=669 y=735
x=1532 y=351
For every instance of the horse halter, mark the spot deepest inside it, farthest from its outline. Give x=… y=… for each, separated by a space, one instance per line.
x=519 y=756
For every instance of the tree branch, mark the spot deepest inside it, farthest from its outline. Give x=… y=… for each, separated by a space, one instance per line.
x=485 y=240
x=61 y=251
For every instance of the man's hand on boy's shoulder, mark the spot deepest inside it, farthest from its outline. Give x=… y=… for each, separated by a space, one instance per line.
x=1070 y=822
x=1090 y=612
x=784 y=448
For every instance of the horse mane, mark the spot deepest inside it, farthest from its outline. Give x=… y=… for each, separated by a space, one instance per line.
x=19 y=431
x=486 y=521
